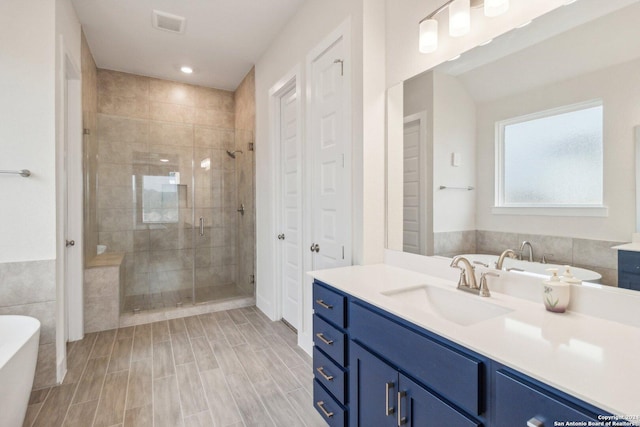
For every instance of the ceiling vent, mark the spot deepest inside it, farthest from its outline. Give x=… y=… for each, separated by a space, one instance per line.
x=168 y=22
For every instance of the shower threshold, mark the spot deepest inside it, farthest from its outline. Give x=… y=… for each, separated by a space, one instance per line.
x=163 y=301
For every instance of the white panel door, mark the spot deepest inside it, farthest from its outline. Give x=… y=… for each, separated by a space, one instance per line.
x=330 y=213
x=291 y=201
x=412 y=236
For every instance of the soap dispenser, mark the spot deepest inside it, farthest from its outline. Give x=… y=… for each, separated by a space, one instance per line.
x=568 y=277
x=555 y=293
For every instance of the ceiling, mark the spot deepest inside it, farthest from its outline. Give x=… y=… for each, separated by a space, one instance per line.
x=222 y=41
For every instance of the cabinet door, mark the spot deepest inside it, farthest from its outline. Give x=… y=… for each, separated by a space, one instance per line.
x=419 y=407
x=374 y=390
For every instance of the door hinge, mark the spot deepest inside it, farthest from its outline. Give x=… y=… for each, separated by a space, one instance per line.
x=86 y=131
x=341 y=62
x=343 y=252
x=250 y=148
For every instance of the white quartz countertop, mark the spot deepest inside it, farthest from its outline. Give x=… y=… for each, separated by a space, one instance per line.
x=593 y=359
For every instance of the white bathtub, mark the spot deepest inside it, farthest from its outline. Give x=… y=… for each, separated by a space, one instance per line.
x=536 y=267
x=19 y=338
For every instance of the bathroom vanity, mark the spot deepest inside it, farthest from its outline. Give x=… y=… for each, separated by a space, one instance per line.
x=396 y=347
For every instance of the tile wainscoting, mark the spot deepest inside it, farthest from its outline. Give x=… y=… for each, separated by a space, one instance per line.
x=595 y=255
x=29 y=289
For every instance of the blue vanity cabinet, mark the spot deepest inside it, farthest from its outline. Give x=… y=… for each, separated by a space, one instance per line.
x=330 y=354
x=383 y=396
x=374 y=369
x=629 y=270
x=520 y=400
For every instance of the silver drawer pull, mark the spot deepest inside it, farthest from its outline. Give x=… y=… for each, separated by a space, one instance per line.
x=401 y=420
x=324 y=411
x=324 y=374
x=535 y=422
x=388 y=410
x=323 y=304
x=322 y=338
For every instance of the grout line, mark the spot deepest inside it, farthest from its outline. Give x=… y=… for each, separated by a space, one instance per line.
x=126 y=391
x=41 y=406
x=104 y=379
x=84 y=369
x=175 y=372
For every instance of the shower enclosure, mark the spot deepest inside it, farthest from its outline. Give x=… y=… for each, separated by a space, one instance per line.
x=174 y=192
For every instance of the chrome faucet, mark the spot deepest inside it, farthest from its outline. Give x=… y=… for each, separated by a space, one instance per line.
x=467 y=281
x=524 y=244
x=507 y=253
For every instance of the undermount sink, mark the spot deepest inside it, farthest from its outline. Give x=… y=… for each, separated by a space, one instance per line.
x=453 y=305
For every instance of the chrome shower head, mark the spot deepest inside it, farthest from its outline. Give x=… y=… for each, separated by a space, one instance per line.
x=232 y=154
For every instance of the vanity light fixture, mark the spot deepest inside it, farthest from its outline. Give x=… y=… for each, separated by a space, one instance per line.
x=459 y=20
x=185 y=69
x=164 y=160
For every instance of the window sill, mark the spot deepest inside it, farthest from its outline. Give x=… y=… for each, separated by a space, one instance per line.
x=592 y=211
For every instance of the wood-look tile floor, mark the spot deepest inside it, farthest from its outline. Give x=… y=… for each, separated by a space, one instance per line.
x=230 y=368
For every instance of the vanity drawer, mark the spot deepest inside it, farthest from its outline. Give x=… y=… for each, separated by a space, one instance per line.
x=330 y=339
x=330 y=410
x=518 y=401
x=329 y=375
x=456 y=376
x=329 y=304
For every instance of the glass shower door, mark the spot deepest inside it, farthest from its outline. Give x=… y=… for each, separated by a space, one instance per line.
x=215 y=214
x=167 y=211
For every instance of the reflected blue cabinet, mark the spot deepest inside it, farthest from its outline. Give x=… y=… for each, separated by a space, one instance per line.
x=374 y=369
x=629 y=270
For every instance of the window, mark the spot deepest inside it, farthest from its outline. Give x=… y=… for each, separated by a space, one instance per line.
x=552 y=159
x=160 y=198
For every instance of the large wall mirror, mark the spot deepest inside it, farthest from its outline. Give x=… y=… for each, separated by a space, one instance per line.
x=528 y=138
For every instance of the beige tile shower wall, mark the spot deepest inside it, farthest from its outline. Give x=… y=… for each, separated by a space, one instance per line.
x=245 y=113
x=90 y=150
x=142 y=120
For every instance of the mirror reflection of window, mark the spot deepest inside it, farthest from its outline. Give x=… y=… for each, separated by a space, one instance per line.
x=160 y=202
x=553 y=158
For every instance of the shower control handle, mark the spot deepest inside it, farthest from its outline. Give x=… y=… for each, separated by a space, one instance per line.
x=70 y=243
x=315 y=247
x=201 y=226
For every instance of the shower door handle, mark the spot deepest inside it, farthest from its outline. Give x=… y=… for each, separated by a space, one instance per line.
x=201 y=226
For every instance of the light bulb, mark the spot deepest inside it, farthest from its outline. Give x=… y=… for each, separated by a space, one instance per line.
x=495 y=7
x=428 y=41
x=459 y=17
x=186 y=70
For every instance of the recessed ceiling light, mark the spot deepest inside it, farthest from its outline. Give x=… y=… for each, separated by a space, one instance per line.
x=486 y=43
x=455 y=57
x=568 y=2
x=186 y=70
x=164 y=160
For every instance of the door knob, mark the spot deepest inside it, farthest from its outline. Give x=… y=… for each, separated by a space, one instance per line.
x=315 y=247
x=70 y=243
x=280 y=236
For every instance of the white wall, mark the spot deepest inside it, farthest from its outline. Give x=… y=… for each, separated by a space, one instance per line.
x=27 y=134
x=454 y=131
x=619 y=87
x=311 y=24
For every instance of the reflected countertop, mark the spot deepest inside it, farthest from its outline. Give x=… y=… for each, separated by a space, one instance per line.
x=591 y=358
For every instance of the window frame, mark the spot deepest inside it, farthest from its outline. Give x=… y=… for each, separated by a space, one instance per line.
x=501 y=207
